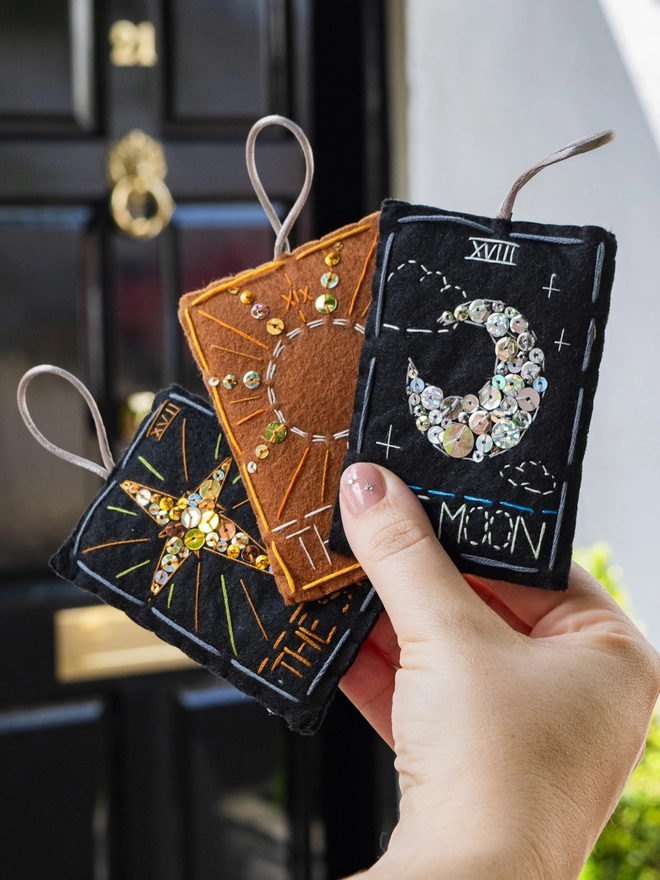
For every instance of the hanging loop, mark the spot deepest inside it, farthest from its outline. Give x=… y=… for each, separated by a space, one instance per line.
x=282 y=230
x=106 y=455
x=584 y=145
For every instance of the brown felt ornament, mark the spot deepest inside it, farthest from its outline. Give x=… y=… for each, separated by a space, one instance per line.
x=278 y=347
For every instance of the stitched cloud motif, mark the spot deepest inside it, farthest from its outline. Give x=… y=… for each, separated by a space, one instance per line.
x=278 y=347
x=477 y=379
x=169 y=540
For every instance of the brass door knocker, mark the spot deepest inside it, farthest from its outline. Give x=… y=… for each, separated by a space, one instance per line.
x=140 y=201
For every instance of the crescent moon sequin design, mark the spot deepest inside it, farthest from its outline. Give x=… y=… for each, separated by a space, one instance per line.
x=486 y=423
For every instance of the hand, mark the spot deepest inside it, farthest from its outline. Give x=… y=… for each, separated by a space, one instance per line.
x=513 y=749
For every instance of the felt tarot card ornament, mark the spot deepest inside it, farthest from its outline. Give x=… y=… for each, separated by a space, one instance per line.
x=478 y=374
x=171 y=540
x=278 y=347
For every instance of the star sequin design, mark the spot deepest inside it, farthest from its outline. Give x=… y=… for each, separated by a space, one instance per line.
x=194 y=522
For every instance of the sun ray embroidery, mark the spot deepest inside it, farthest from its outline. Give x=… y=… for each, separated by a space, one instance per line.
x=194 y=522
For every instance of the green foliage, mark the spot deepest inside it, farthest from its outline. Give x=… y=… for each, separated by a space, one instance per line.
x=629 y=847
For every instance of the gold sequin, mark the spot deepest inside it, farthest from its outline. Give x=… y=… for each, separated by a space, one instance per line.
x=275 y=326
x=262 y=451
x=333 y=259
x=247 y=297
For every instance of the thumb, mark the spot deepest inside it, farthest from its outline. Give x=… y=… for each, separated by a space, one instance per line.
x=392 y=538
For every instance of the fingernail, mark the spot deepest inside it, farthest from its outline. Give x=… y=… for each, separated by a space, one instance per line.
x=362 y=486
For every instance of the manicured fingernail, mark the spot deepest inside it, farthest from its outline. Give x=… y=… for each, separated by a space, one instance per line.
x=362 y=486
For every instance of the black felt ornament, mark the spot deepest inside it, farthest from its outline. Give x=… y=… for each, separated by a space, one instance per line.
x=478 y=374
x=172 y=541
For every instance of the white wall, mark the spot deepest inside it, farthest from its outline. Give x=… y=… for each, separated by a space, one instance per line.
x=491 y=88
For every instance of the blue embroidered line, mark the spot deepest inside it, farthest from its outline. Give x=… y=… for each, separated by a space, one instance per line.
x=370 y=596
x=591 y=336
x=576 y=425
x=600 y=256
x=416 y=488
x=365 y=404
x=435 y=492
x=482 y=500
x=516 y=506
x=203 y=409
x=185 y=632
x=432 y=218
x=263 y=681
x=381 y=286
x=97 y=577
x=328 y=662
x=549 y=511
x=497 y=564
x=549 y=238
x=560 y=514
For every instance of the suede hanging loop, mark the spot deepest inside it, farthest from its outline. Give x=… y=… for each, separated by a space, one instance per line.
x=583 y=145
x=106 y=455
x=282 y=230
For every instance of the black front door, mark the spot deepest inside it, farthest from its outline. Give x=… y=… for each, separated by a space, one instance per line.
x=112 y=773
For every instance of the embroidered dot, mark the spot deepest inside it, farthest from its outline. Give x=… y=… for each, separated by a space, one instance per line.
x=275 y=326
x=252 y=380
x=326 y=303
x=329 y=280
x=247 y=297
x=259 y=311
x=230 y=381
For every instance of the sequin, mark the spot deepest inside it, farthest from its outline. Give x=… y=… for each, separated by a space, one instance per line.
x=458 y=441
x=230 y=381
x=530 y=372
x=479 y=311
x=510 y=312
x=191 y=517
x=233 y=551
x=513 y=385
x=536 y=356
x=209 y=489
x=413 y=400
x=423 y=423
x=276 y=432
x=490 y=396
x=252 y=380
x=480 y=422
x=332 y=259
x=435 y=417
x=431 y=396
x=497 y=325
x=501 y=369
x=419 y=410
x=506 y=348
x=174 y=545
x=499 y=382
x=462 y=312
x=518 y=324
x=241 y=539
x=435 y=434
x=470 y=403
x=451 y=407
x=262 y=562
x=252 y=467
x=234 y=290
x=170 y=562
x=417 y=385
x=329 y=280
x=446 y=318
x=209 y=522
x=507 y=407
x=540 y=384
x=477 y=456
x=226 y=529
x=498 y=306
x=505 y=434
x=161 y=577
x=528 y=399
x=484 y=443
x=522 y=419
x=338 y=245
x=262 y=451
x=212 y=540
x=526 y=341
x=250 y=554
x=275 y=326
x=194 y=498
x=143 y=497
x=194 y=539
x=326 y=303
x=213 y=381
x=247 y=297
x=259 y=311
x=515 y=364
x=154 y=509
